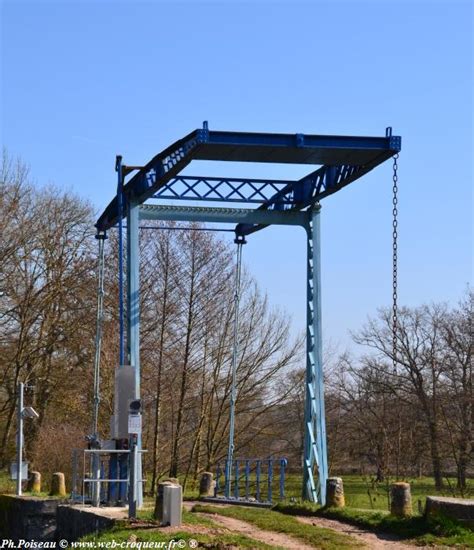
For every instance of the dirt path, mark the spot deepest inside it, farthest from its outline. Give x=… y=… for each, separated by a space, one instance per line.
x=268 y=537
x=374 y=541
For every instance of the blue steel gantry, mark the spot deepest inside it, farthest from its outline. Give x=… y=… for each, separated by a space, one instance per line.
x=341 y=160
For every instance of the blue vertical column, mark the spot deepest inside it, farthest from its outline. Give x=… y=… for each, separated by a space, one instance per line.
x=133 y=320
x=315 y=447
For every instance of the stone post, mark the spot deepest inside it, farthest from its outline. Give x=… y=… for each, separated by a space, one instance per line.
x=158 y=513
x=335 y=492
x=173 y=480
x=34 y=482
x=58 y=485
x=400 y=500
x=207 y=485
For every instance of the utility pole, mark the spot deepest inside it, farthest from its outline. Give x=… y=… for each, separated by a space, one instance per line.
x=22 y=412
x=19 y=450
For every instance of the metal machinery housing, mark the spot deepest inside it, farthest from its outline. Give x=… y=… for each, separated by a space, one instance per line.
x=340 y=160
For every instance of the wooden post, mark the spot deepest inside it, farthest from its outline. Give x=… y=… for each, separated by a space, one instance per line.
x=335 y=492
x=400 y=500
x=58 y=485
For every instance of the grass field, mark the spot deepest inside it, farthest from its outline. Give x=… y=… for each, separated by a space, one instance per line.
x=360 y=492
x=366 y=506
x=269 y=520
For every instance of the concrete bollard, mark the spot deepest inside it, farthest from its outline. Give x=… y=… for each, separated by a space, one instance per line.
x=207 y=485
x=58 y=485
x=335 y=492
x=34 y=482
x=158 y=513
x=173 y=480
x=400 y=500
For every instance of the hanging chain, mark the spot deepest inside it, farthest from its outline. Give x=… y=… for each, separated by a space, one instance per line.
x=395 y=263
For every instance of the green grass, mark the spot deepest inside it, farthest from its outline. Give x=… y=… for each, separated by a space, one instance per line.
x=363 y=492
x=270 y=520
x=434 y=531
x=121 y=533
x=7 y=485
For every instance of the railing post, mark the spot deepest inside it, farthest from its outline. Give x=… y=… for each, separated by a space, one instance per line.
x=283 y=463
x=257 y=475
x=247 y=479
x=236 y=485
x=270 y=479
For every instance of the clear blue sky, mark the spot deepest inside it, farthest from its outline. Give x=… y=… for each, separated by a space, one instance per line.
x=82 y=81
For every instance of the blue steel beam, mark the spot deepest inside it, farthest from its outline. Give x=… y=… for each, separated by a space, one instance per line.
x=133 y=323
x=330 y=151
x=309 y=190
x=315 y=446
x=221 y=215
x=212 y=189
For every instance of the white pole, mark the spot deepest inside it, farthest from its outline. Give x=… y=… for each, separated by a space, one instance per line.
x=19 y=438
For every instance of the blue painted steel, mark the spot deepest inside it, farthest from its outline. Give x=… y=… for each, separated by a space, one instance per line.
x=227 y=478
x=350 y=151
x=310 y=189
x=118 y=168
x=221 y=215
x=283 y=465
x=263 y=485
x=236 y=478
x=212 y=189
x=343 y=159
x=133 y=320
x=247 y=479
x=257 y=479
x=123 y=474
x=269 y=480
x=113 y=471
x=315 y=451
x=218 y=480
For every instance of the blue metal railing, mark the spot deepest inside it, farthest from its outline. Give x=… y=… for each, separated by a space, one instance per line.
x=252 y=479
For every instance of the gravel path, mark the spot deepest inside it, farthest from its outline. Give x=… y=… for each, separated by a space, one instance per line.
x=374 y=541
x=268 y=537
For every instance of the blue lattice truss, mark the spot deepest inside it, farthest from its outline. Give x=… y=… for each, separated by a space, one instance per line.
x=339 y=161
x=344 y=159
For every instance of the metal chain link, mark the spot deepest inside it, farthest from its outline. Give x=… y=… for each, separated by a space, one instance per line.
x=395 y=263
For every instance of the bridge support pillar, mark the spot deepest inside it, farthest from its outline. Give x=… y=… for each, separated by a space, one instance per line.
x=315 y=447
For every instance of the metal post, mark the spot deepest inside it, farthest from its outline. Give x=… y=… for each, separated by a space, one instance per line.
x=247 y=479
x=19 y=438
x=95 y=488
x=270 y=480
x=283 y=464
x=118 y=168
x=237 y=475
x=133 y=322
x=218 y=477
x=133 y=485
x=233 y=395
x=257 y=480
x=315 y=450
x=98 y=333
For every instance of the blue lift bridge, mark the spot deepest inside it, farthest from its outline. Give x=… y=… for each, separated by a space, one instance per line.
x=252 y=205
